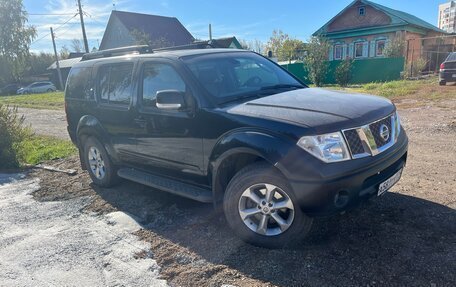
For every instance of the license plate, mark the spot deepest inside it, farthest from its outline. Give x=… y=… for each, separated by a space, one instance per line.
x=454 y=76
x=387 y=184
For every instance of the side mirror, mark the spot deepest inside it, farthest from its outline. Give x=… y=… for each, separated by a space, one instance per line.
x=170 y=100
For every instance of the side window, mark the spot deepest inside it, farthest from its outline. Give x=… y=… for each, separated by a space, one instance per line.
x=158 y=77
x=115 y=85
x=79 y=84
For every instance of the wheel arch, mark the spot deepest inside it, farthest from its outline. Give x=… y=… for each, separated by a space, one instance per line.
x=238 y=150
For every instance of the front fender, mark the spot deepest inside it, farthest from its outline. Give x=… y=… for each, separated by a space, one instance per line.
x=270 y=147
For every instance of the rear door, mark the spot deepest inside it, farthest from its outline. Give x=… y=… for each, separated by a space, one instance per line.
x=169 y=139
x=114 y=89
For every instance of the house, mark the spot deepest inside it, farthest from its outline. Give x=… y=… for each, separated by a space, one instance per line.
x=65 y=67
x=364 y=28
x=227 y=42
x=127 y=29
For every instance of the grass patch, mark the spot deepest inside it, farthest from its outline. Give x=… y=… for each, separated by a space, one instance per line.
x=36 y=149
x=47 y=101
x=427 y=89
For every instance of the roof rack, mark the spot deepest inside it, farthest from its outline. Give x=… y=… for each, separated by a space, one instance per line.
x=144 y=49
x=140 y=49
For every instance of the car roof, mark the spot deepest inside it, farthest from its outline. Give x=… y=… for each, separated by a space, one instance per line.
x=161 y=54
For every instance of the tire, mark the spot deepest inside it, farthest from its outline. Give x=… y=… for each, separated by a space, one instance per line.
x=257 y=179
x=99 y=165
x=442 y=83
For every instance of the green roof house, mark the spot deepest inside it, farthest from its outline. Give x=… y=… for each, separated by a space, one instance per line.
x=364 y=28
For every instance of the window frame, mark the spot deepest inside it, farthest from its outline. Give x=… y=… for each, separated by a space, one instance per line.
x=153 y=109
x=377 y=42
x=98 y=84
x=363 y=9
x=354 y=52
x=341 y=46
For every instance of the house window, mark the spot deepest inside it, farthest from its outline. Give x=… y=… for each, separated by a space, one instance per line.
x=362 y=11
x=359 y=50
x=338 y=52
x=380 y=47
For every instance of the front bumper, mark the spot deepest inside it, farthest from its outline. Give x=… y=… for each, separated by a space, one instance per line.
x=324 y=189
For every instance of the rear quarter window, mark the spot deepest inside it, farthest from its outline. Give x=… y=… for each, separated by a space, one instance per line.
x=451 y=57
x=79 y=84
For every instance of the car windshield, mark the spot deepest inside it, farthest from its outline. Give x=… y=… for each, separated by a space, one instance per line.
x=234 y=76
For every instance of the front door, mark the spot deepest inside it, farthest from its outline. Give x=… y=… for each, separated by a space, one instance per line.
x=169 y=139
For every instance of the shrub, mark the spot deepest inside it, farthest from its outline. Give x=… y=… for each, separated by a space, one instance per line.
x=12 y=133
x=344 y=72
x=317 y=60
x=395 y=48
x=417 y=67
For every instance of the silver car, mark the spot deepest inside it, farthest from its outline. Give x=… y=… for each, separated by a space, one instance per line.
x=37 y=87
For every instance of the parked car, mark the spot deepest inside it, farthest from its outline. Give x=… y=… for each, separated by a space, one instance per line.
x=9 y=89
x=37 y=87
x=233 y=128
x=448 y=70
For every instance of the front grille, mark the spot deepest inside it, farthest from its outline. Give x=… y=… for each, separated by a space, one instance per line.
x=375 y=129
x=354 y=142
x=368 y=139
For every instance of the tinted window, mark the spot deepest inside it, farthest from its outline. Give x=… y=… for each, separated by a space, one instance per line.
x=115 y=83
x=159 y=77
x=79 y=84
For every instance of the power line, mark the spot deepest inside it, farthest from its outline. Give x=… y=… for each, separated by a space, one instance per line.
x=49 y=14
x=66 y=22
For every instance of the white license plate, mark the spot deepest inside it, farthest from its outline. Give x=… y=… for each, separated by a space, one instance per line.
x=387 y=184
x=454 y=76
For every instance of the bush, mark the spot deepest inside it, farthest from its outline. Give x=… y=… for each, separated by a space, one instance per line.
x=317 y=60
x=344 y=72
x=417 y=67
x=12 y=133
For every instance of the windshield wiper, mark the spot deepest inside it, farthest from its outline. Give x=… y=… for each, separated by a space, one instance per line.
x=282 y=86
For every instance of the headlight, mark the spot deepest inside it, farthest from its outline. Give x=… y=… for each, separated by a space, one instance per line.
x=328 y=147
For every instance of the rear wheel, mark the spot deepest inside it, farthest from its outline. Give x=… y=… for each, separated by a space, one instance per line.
x=262 y=209
x=99 y=165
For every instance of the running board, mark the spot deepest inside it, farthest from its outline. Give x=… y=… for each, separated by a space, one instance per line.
x=166 y=184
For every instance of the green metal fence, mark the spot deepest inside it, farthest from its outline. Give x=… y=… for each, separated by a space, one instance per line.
x=363 y=71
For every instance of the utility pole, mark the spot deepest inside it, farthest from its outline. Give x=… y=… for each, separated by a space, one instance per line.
x=57 y=61
x=84 y=36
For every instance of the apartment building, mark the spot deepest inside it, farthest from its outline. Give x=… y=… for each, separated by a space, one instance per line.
x=447 y=17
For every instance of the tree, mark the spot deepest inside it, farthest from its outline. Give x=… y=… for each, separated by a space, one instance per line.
x=245 y=45
x=275 y=42
x=344 y=72
x=77 y=46
x=292 y=49
x=143 y=38
x=38 y=63
x=317 y=59
x=395 y=48
x=64 y=52
x=15 y=39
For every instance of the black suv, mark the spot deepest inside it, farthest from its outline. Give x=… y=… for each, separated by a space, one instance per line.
x=232 y=127
x=447 y=72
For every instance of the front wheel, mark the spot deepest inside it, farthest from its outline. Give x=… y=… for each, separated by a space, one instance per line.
x=99 y=165
x=262 y=209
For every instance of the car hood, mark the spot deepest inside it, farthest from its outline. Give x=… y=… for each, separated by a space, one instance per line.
x=318 y=109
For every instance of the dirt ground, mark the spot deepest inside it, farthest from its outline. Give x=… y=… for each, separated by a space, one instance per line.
x=405 y=238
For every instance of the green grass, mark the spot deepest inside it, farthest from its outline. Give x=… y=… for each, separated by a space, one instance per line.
x=426 y=89
x=49 y=101
x=36 y=149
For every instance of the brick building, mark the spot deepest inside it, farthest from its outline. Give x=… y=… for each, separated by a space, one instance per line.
x=364 y=28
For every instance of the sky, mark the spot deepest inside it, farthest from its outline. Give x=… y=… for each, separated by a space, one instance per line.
x=245 y=19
